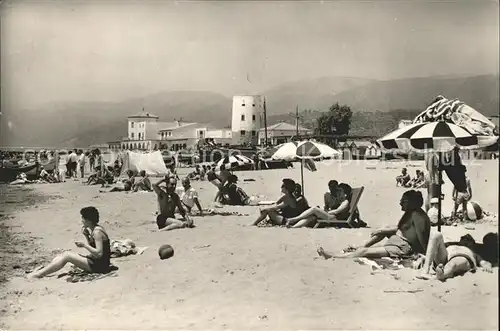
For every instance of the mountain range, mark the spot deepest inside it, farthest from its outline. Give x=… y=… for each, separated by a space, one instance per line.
x=70 y=124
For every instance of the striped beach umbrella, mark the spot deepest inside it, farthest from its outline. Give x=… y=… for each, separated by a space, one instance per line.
x=429 y=137
x=233 y=161
x=307 y=149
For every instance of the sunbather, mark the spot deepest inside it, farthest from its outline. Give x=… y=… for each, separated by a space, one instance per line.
x=234 y=195
x=308 y=217
x=21 y=178
x=285 y=207
x=126 y=184
x=453 y=259
x=169 y=202
x=143 y=184
x=97 y=243
x=331 y=198
x=302 y=203
x=418 y=180
x=215 y=180
x=403 y=179
x=409 y=237
x=189 y=196
x=45 y=176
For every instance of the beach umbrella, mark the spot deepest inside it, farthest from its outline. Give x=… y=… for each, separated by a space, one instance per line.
x=233 y=161
x=304 y=150
x=429 y=137
x=432 y=137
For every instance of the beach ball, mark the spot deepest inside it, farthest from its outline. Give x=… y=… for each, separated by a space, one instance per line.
x=165 y=252
x=474 y=211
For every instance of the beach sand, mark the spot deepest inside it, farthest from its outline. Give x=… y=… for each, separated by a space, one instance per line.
x=228 y=275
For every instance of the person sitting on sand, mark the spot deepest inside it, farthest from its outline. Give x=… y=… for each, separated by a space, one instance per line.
x=453 y=259
x=195 y=174
x=126 y=184
x=169 y=202
x=189 y=196
x=97 y=243
x=233 y=195
x=308 y=217
x=285 y=207
x=411 y=235
x=403 y=179
x=143 y=184
x=418 y=180
x=45 y=176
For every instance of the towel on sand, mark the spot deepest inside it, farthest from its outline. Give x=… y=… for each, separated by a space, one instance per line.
x=125 y=247
x=213 y=212
x=77 y=275
x=387 y=262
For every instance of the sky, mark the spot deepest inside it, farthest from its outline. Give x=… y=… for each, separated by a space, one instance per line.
x=111 y=51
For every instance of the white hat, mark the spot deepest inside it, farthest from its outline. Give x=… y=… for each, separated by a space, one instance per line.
x=434 y=200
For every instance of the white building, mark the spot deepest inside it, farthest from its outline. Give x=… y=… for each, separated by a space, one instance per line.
x=187 y=135
x=281 y=133
x=247 y=118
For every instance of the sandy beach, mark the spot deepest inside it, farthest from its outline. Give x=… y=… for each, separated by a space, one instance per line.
x=228 y=275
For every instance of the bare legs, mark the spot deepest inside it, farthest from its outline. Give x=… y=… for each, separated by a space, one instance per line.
x=59 y=262
x=314 y=211
x=273 y=215
x=365 y=251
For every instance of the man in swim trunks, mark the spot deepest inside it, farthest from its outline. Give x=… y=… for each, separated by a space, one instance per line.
x=453 y=259
x=409 y=237
x=169 y=202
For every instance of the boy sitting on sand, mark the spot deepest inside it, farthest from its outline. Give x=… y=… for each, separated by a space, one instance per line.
x=143 y=184
x=410 y=236
x=189 y=196
x=169 y=202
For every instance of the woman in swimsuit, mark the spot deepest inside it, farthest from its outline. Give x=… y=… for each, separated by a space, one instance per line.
x=98 y=261
x=284 y=208
x=308 y=217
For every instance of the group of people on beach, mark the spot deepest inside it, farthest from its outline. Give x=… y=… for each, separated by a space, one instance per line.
x=410 y=237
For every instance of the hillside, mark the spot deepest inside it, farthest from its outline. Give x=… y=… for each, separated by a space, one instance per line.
x=479 y=92
x=86 y=123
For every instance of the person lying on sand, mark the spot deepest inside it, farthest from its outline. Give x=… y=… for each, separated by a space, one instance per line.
x=189 y=196
x=169 y=202
x=403 y=179
x=308 y=217
x=285 y=207
x=126 y=184
x=21 y=178
x=97 y=243
x=454 y=259
x=143 y=184
x=409 y=237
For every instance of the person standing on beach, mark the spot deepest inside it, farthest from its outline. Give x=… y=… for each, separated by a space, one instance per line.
x=169 y=202
x=61 y=164
x=461 y=195
x=81 y=163
x=97 y=243
x=72 y=164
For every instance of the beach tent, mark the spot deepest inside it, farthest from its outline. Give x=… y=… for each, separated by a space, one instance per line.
x=151 y=162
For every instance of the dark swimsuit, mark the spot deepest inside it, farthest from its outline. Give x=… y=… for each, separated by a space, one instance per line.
x=102 y=264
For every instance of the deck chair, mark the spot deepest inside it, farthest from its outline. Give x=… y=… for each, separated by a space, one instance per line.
x=353 y=211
